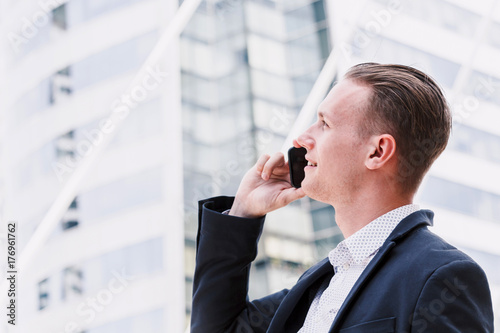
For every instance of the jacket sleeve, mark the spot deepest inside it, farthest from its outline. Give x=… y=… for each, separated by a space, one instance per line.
x=226 y=246
x=455 y=298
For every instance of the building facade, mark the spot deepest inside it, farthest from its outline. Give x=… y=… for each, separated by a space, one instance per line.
x=228 y=90
x=112 y=262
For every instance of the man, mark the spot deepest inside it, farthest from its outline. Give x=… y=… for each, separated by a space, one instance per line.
x=378 y=132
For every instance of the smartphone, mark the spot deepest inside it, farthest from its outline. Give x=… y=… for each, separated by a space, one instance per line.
x=297 y=162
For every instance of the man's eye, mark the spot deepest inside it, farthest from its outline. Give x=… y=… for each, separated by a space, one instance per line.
x=324 y=123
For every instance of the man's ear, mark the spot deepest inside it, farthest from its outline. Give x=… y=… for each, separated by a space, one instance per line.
x=381 y=151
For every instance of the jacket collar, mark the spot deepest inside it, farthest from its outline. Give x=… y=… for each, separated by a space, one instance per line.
x=416 y=220
x=323 y=269
x=295 y=298
x=420 y=218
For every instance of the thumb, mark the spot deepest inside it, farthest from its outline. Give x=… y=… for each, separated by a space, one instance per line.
x=292 y=194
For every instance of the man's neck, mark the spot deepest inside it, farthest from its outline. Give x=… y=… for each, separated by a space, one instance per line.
x=354 y=216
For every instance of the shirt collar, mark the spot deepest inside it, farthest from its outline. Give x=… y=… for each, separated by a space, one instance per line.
x=366 y=241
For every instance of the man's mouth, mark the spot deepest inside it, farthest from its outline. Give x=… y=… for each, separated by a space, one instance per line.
x=311 y=164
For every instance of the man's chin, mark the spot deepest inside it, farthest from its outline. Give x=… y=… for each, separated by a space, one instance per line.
x=308 y=189
x=313 y=191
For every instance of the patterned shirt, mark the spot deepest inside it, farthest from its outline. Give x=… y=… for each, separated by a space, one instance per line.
x=349 y=259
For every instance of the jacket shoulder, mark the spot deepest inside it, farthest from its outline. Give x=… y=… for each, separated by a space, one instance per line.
x=428 y=247
x=414 y=240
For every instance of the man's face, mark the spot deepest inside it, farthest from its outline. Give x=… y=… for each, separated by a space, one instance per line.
x=335 y=147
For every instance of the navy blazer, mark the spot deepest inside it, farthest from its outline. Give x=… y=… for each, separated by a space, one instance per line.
x=415 y=283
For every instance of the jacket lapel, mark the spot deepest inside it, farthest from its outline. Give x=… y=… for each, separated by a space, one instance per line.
x=414 y=221
x=293 y=309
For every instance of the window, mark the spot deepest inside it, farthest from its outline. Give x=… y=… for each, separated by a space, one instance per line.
x=303 y=84
x=259 y=282
x=43 y=294
x=267 y=54
x=70 y=218
x=484 y=87
x=304 y=17
x=262 y=19
x=232 y=87
x=215 y=21
x=61 y=86
x=442 y=14
x=385 y=50
x=72 y=280
x=462 y=198
x=189 y=257
x=476 y=142
x=273 y=117
x=196 y=187
x=201 y=26
x=307 y=53
x=211 y=93
x=200 y=158
x=188 y=293
x=271 y=87
x=325 y=245
x=287 y=249
x=59 y=17
x=323 y=218
x=65 y=146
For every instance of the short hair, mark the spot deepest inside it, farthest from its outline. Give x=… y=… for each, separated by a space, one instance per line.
x=407 y=104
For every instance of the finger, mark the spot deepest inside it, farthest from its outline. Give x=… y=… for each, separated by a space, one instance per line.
x=291 y=194
x=276 y=161
x=261 y=161
x=281 y=170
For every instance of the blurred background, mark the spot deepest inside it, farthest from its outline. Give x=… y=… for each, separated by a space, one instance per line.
x=117 y=116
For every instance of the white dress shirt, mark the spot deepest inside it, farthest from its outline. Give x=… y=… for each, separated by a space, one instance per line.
x=349 y=259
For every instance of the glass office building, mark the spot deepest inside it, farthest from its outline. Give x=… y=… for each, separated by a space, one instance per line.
x=247 y=68
x=122 y=256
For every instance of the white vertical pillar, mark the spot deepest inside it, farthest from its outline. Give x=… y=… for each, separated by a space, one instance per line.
x=173 y=240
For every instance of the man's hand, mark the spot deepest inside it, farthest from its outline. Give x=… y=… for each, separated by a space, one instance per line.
x=264 y=188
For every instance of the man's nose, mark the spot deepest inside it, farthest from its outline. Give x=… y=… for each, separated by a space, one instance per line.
x=305 y=140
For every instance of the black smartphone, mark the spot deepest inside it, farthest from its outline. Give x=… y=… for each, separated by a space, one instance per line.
x=297 y=162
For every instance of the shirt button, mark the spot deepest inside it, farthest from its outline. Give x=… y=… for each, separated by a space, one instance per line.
x=346 y=266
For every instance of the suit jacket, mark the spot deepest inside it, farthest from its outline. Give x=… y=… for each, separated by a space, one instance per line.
x=415 y=283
